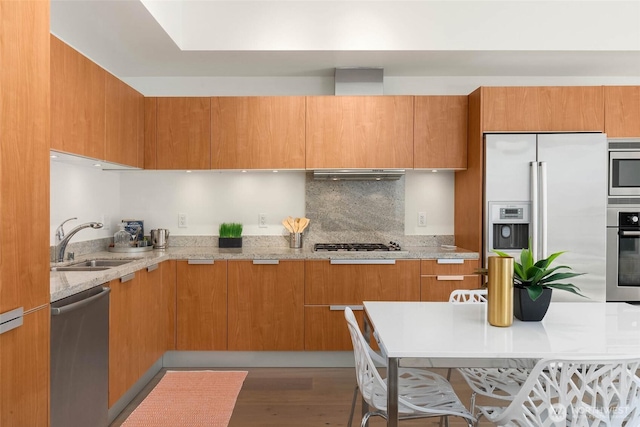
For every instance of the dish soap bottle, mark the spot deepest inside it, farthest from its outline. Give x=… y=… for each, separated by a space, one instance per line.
x=121 y=239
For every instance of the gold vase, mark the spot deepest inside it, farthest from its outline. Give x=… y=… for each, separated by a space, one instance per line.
x=500 y=291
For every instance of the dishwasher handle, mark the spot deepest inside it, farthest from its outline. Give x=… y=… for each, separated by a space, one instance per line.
x=55 y=311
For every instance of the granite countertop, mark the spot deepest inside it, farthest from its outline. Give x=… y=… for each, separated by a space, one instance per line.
x=67 y=283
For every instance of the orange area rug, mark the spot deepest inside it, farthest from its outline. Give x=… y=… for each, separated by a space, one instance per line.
x=189 y=398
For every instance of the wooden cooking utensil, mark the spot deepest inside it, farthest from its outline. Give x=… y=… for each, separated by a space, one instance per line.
x=287 y=226
x=291 y=222
x=304 y=222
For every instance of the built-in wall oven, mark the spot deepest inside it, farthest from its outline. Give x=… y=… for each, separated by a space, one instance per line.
x=623 y=254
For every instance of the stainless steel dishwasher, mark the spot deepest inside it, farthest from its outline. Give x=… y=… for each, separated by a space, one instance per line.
x=80 y=359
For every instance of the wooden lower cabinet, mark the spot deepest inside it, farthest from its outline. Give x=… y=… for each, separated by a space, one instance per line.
x=266 y=305
x=329 y=287
x=24 y=372
x=201 y=306
x=124 y=343
x=137 y=321
x=168 y=318
x=440 y=277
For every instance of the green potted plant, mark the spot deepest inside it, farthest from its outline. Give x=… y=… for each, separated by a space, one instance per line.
x=534 y=281
x=230 y=235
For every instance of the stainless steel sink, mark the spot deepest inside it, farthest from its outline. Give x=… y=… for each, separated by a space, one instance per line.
x=78 y=268
x=102 y=262
x=94 y=265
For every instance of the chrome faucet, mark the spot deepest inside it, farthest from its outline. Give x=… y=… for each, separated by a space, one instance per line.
x=62 y=240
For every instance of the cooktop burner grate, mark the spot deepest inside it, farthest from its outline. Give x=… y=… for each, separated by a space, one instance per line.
x=356 y=247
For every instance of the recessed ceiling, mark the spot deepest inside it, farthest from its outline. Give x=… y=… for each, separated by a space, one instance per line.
x=125 y=38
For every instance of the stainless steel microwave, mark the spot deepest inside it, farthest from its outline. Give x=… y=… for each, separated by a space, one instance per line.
x=624 y=168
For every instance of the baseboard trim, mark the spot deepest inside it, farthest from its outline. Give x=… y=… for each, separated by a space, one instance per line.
x=126 y=398
x=258 y=359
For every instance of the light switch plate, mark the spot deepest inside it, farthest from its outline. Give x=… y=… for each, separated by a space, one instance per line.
x=182 y=220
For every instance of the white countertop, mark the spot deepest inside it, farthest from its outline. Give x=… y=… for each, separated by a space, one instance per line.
x=64 y=284
x=460 y=335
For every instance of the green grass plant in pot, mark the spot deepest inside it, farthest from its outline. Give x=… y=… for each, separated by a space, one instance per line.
x=533 y=282
x=230 y=235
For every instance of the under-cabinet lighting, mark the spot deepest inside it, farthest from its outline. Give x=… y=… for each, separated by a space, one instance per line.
x=275 y=171
x=53 y=156
x=188 y=171
x=435 y=170
x=97 y=165
x=244 y=170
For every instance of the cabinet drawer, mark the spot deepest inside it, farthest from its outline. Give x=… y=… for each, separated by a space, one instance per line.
x=327 y=283
x=325 y=328
x=448 y=266
x=438 y=288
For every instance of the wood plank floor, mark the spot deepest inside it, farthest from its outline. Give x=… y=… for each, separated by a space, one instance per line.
x=301 y=397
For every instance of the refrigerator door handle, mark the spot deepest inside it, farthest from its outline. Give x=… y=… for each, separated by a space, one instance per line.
x=543 y=210
x=534 y=208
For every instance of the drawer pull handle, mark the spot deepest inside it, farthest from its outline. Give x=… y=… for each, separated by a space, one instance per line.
x=127 y=277
x=152 y=267
x=363 y=261
x=266 y=261
x=450 y=277
x=342 y=307
x=11 y=319
x=200 y=262
x=450 y=261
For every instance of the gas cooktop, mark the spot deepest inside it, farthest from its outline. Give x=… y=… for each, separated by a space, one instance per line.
x=392 y=246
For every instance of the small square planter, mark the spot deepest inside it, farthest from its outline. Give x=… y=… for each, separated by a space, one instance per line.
x=230 y=242
x=527 y=310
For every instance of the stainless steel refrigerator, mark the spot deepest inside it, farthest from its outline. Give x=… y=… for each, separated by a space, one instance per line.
x=550 y=189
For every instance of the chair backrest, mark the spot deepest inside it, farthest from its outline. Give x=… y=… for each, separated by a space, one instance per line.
x=369 y=381
x=468 y=296
x=578 y=393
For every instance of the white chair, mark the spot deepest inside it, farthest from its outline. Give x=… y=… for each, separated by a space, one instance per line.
x=574 y=393
x=421 y=394
x=498 y=383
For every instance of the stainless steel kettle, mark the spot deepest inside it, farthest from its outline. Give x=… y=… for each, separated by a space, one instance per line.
x=160 y=238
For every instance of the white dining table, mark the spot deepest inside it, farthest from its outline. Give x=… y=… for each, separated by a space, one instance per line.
x=442 y=334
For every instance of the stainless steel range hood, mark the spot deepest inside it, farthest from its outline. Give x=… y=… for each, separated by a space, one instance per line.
x=359 y=174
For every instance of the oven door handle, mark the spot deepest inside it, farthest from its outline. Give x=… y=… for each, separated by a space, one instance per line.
x=629 y=233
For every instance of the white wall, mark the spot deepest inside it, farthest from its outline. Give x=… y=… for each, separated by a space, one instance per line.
x=211 y=197
x=87 y=193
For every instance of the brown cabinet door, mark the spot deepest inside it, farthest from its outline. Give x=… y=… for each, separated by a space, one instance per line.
x=440 y=132
x=201 y=310
x=183 y=139
x=24 y=155
x=151 y=317
x=24 y=370
x=77 y=102
x=544 y=108
x=124 y=336
x=266 y=306
x=359 y=132
x=327 y=283
x=167 y=323
x=450 y=266
x=622 y=111
x=124 y=123
x=329 y=287
x=258 y=132
x=439 y=288
x=325 y=328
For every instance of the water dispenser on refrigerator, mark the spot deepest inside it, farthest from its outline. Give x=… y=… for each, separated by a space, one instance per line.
x=508 y=228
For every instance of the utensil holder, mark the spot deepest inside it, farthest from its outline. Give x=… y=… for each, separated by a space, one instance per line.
x=500 y=291
x=295 y=240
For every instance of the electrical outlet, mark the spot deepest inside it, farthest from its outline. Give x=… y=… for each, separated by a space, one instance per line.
x=106 y=222
x=182 y=220
x=422 y=219
x=262 y=220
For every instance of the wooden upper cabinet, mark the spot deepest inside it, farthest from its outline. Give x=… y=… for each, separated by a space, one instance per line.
x=124 y=123
x=257 y=132
x=541 y=109
x=183 y=139
x=359 y=132
x=440 y=132
x=622 y=111
x=150 y=132
x=77 y=102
